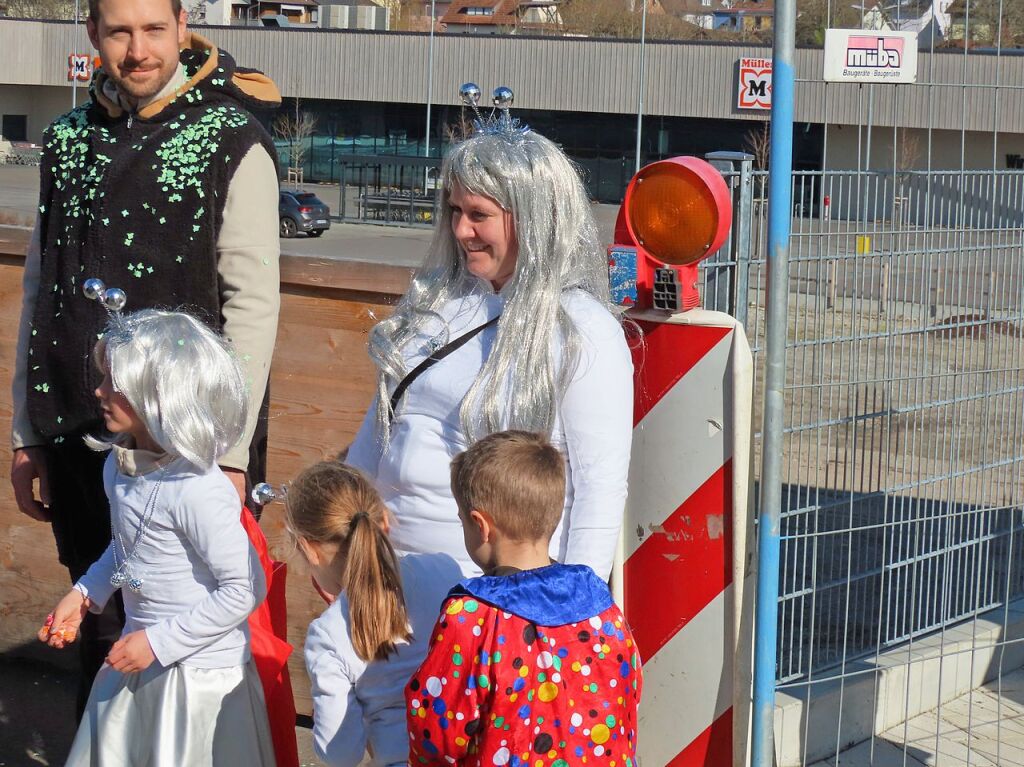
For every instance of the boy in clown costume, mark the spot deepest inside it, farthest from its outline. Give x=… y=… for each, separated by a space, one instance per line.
x=531 y=663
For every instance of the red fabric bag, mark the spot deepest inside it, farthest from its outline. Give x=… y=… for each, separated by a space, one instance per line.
x=268 y=629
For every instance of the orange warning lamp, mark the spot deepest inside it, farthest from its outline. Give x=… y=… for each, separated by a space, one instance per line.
x=675 y=213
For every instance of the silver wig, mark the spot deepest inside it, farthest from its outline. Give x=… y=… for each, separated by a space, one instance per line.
x=181 y=379
x=559 y=249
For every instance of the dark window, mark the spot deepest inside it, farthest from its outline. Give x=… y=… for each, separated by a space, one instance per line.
x=308 y=198
x=15 y=127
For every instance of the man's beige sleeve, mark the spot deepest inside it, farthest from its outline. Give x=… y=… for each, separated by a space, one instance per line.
x=248 y=252
x=22 y=433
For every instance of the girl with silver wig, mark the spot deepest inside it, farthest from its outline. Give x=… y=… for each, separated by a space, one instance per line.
x=180 y=378
x=555 y=362
x=180 y=685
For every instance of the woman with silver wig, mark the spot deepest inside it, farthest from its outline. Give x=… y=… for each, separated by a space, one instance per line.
x=513 y=300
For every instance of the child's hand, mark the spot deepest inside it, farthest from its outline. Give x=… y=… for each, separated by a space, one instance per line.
x=61 y=627
x=131 y=653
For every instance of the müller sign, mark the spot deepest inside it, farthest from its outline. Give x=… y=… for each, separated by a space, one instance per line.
x=862 y=56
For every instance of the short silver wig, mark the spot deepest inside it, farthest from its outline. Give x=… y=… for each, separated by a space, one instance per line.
x=559 y=250
x=181 y=379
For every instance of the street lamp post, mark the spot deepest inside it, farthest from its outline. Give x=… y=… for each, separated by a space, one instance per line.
x=430 y=78
x=74 y=79
x=640 y=87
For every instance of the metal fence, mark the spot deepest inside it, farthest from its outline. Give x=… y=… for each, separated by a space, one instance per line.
x=905 y=410
x=902 y=448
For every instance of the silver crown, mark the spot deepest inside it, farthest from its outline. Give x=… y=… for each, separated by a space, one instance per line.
x=499 y=122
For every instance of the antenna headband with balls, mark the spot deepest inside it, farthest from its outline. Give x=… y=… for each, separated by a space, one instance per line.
x=498 y=122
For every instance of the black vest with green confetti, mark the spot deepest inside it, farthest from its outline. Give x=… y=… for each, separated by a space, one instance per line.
x=137 y=203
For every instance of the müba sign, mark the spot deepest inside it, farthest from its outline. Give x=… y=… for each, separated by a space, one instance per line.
x=856 y=55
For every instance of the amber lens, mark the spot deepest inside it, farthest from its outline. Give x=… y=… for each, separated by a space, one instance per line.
x=673 y=214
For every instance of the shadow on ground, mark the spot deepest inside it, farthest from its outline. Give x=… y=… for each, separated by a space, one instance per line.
x=37 y=710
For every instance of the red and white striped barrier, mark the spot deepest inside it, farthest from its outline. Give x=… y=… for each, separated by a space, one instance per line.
x=687 y=542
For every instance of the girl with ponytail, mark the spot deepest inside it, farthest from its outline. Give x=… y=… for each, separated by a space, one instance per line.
x=362 y=650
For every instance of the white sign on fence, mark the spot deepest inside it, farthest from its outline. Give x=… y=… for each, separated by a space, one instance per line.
x=863 y=56
x=755 y=84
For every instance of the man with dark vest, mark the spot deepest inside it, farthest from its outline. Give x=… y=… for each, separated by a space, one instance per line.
x=166 y=186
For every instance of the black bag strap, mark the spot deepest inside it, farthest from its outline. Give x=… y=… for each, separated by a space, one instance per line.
x=434 y=358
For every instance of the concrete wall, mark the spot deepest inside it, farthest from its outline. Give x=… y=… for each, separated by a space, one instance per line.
x=990 y=193
x=912 y=148
x=40 y=103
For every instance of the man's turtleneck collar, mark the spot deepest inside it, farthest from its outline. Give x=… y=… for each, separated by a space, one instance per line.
x=111 y=92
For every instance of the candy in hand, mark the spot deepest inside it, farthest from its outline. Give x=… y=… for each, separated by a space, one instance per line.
x=66 y=634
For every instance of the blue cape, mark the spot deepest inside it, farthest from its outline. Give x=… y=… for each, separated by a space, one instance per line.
x=548 y=596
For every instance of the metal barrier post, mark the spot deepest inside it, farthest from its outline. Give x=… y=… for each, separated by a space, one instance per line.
x=731 y=294
x=779 y=223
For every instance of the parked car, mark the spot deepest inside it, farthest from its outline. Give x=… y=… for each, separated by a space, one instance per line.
x=302 y=212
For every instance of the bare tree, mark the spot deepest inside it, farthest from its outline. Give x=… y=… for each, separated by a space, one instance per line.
x=195 y=11
x=601 y=18
x=908 y=149
x=813 y=17
x=758 y=142
x=295 y=128
x=44 y=9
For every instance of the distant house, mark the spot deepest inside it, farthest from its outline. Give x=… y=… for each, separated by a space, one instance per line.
x=502 y=16
x=310 y=14
x=700 y=13
x=746 y=16
x=354 y=14
x=302 y=13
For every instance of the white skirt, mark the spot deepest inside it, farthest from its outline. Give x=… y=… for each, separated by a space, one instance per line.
x=199 y=717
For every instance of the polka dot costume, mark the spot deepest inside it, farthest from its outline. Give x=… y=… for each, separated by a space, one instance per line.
x=507 y=681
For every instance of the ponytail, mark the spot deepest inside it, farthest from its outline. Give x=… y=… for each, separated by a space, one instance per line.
x=332 y=502
x=373 y=585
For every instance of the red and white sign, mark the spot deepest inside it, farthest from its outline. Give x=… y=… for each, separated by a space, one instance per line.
x=859 y=56
x=687 y=574
x=80 y=67
x=755 y=84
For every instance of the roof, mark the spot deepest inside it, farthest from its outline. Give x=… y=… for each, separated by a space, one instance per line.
x=750 y=8
x=503 y=13
x=691 y=7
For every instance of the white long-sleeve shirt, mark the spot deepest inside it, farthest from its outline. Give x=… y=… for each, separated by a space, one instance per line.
x=359 y=705
x=593 y=429
x=201 y=576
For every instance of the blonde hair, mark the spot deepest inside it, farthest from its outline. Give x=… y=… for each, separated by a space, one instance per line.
x=518 y=478
x=333 y=503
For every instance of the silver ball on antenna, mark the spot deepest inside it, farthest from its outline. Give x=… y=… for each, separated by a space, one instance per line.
x=114 y=299
x=263 y=493
x=93 y=288
x=470 y=94
x=503 y=97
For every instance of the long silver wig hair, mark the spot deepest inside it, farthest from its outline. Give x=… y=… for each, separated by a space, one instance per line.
x=181 y=379
x=559 y=250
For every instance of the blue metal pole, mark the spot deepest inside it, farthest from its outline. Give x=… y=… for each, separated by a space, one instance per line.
x=780 y=169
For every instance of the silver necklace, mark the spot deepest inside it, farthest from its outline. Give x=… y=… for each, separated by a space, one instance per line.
x=124 y=572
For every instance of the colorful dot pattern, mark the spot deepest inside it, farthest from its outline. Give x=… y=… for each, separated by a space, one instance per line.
x=496 y=689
